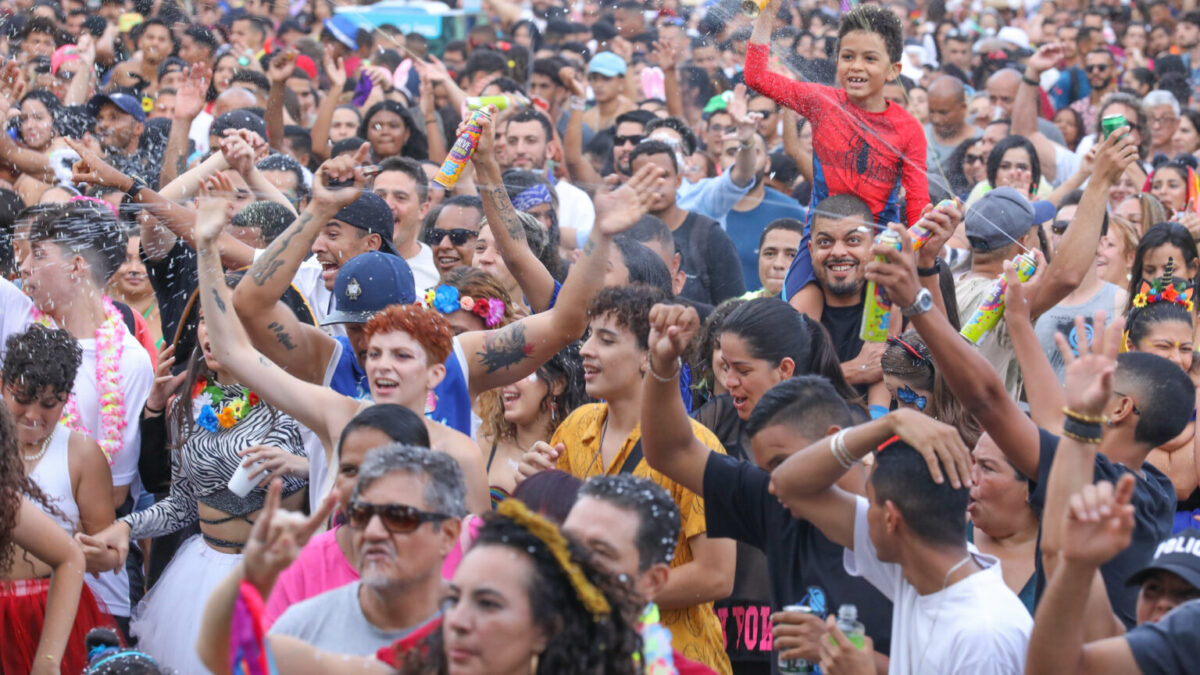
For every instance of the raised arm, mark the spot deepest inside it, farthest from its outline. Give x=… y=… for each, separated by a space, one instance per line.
x=433 y=131
x=81 y=83
x=283 y=62
x=533 y=277
x=802 y=97
x=970 y=377
x=668 y=61
x=320 y=409
x=38 y=534
x=242 y=149
x=792 y=147
x=1027 y=103
x=1076 y=252
x=189 y=103
x=503 y=356
x=1042 y=388
x=336 y=72
x=582 y=173
x=742 y=171
x=669 y=445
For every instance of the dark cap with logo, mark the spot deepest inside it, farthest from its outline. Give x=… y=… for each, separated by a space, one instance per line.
x=367 y=284
x=369 y=212
x=1178 y=554
x=126 y=103
x=1001 y=217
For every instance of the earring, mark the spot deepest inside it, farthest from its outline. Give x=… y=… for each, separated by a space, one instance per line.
x=533 y=663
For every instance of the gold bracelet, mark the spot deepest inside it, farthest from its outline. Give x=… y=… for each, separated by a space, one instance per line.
x=1092 y=440
x=1098 y=419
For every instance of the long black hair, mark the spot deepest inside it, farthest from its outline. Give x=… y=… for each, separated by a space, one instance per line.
x=1162 y=234
x=417 y=145
x=1008 y=143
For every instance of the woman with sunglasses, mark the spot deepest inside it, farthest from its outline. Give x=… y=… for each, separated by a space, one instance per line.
x=966 y=167
x=913 y=382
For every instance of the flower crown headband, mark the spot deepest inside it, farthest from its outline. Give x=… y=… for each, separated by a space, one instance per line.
x=591 y=597
x=447 y=300
x=1165 y=289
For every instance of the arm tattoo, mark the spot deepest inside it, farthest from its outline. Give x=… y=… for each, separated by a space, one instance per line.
x=507 y=214
x=218 y=300
x=281 y=335
x=589 y=246
x=505 y=348
x=265 y=267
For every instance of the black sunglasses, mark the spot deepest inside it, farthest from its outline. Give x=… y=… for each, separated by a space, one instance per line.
x=397 y=518
x=633 y=139
x=1059 y=226
x=972 y=159
x=1096 y=68
x=458 y=236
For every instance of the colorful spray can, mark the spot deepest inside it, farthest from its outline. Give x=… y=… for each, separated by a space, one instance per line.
x=463 y=148
x=991 y=308
x=751 y=8
x=501 y=101
x=793 y=666
x=920 y=233
x=877 y=314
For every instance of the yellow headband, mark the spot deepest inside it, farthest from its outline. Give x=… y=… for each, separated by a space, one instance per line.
x=548 y=533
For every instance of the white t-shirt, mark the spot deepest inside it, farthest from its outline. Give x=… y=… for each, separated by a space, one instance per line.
x=424 y=271
x=311 y=285
x=977 y=626
x=137 y=376
x=198 y=132
x=575 y=209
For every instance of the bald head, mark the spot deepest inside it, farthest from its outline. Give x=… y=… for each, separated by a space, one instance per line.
x=947 y=107
x=234 y=98
x=1002 y=89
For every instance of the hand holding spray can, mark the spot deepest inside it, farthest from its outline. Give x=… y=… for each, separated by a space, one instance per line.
x=877 y=313
x=991 y=308
x=463 y=148
x=792 y=666
x=920 y=233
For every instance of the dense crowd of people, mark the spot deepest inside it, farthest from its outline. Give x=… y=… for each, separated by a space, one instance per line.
x=610 y=336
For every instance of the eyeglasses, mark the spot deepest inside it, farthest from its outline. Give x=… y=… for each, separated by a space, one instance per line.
x=1059 y=226
x=909 y=397
x=1135 y=408
x=1096 y=68
x=458 y=236
x=632 y=139
x=972 y=159
x=397 y=518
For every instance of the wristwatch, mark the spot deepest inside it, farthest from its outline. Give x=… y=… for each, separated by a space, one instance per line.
x=921 y=304
x=932 y=270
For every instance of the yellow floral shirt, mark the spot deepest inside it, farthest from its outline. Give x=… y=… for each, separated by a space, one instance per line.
x=695 y=631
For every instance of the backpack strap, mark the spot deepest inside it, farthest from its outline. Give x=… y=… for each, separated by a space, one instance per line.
x=634 y=458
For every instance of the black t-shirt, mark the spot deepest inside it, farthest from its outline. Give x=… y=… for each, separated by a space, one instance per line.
x=1168 y=647
x=844 y=325
x=173 y=278
x=803 y=566
x=1154 y=514
x=709 y=259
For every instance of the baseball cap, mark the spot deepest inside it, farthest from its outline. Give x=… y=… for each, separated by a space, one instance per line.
x=343 y=29
x=367 y=284
x=126 y=103
x=607 y=64
x=238 y=119
x=1003 y=216
x=1178 y=554
x=369 y=212
x=62 y=55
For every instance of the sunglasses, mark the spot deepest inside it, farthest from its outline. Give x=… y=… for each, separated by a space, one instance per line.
x=972 y=159
x=458 y=236
x=397 y=518
x=909 y=397
x=1059 y=226
x=1096 y=68
x=632 y=139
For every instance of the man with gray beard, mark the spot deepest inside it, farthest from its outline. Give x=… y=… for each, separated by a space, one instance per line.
x=406 y=512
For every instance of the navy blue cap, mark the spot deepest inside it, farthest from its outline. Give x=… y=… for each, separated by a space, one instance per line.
x=1178 y=554
x=126 y=103
x=367 y=284
x=369 y=212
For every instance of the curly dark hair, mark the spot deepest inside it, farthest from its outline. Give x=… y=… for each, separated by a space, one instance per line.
x=13 y=485
x=581 y=644
x=565 y=368
x=630 y=306
x=39 y=358
x=878 y=20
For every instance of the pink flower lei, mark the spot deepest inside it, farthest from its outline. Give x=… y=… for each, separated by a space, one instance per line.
x=110 y=338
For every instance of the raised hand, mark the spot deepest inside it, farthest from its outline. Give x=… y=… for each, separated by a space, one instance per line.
x=335 y=70
x=1018 y=293
x=425 y=96
x=618 y=210
x=281 y=67
x=942 y=221
x=572 y=82
x=434 y=69
x=1088 y=383
x=85 y=46
x=1114 y=155
x=746 y=122
x=213 y=209
x=92 y=170
x=485 y=150
x=341 y=180
x=666 y=55
x=1046 y=58
x=164 y=382
x=190 y=99
x=937 y=442
x=237 y=152
x=277 y=537
x=672 y=328
x=1099 y=522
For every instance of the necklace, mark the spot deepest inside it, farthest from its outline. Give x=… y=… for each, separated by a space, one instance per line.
x=38 y=455
x=941 y=601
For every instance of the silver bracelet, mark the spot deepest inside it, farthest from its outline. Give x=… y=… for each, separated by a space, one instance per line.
x=577 y=103
x=672 y=376
x=837 y=448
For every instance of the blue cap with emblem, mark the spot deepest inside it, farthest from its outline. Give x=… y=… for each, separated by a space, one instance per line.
x=368 y=283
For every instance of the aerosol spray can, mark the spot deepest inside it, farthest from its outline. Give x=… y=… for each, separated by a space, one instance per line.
x=877 y=314
x=991 y=308
x=461 y=153
x=791 y=666
x=920 y=233
x=752 y=8
x=501 y=101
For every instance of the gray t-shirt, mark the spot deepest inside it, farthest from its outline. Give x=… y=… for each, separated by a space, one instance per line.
x=1061 y=319
x=334 y=622
x=937 y=153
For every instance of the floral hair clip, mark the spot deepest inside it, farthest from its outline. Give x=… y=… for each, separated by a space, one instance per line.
x=1165 y=289
x=447 y=300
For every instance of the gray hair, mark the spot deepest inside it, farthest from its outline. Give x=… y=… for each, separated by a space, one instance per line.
x=1161 y=97
x=445 y=488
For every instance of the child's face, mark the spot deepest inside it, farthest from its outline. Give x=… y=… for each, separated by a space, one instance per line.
x=863 y=66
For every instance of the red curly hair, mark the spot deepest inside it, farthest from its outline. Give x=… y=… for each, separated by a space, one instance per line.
x=425 y=326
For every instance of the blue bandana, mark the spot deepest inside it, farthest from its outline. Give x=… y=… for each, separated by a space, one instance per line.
x=530 y=197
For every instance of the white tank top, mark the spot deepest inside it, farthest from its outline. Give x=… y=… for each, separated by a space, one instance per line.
x=53 y=475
